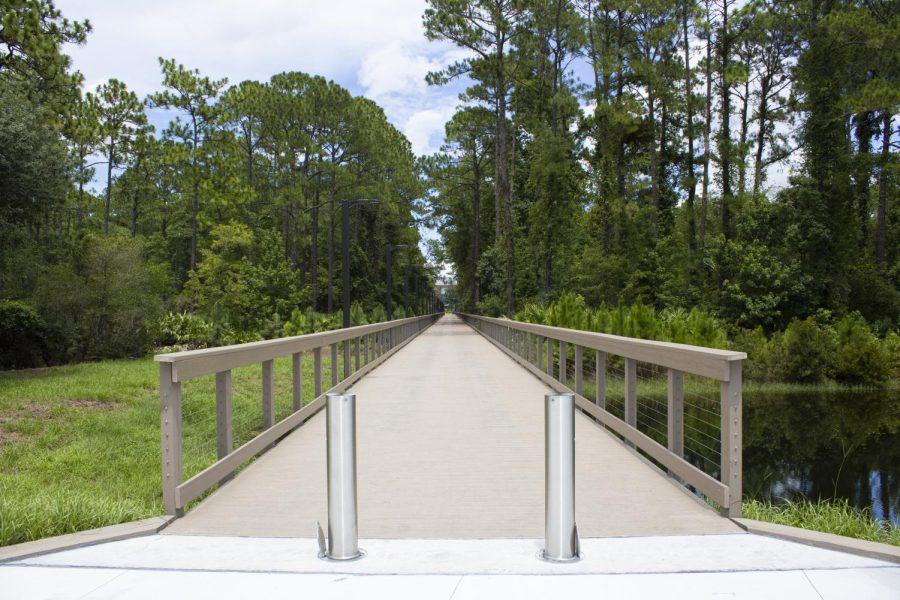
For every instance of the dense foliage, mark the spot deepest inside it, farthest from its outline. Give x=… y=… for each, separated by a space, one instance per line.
x=223 y=227
x=625 y=151
x=814 y=350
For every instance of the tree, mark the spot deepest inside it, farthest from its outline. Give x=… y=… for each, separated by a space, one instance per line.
x=194 y=95
x=32 y=33
x=486 y=28
x=120 y=113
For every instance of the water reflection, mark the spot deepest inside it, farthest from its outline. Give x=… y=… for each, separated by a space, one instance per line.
x=824 y=444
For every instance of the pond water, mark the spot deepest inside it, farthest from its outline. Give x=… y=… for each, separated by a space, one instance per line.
x=824 y=444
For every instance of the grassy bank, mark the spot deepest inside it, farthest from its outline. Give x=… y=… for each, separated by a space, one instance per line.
x=836 y=517
x=79 y=444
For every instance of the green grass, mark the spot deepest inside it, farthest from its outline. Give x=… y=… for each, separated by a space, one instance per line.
x=826 y=516
x=80 y=445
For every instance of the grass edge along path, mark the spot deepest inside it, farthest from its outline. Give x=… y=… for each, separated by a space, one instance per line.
x=79 y=444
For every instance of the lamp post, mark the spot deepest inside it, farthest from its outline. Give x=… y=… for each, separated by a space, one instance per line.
x=345 y=267
x=388 y=300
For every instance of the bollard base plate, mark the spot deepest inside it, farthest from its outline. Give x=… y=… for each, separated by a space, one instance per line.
x=359 y=555
x=542 y=554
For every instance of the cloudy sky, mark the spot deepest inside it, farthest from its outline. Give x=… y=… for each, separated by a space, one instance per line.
x=375 y=48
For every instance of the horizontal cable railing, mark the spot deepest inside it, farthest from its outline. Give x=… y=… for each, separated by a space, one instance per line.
x=678 y=404
x=212 y=440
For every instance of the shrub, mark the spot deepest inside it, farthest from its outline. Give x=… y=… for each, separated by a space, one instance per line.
x=803 y=353
x=24 y=337
x=860 y=357
x=378 y=314
x=357 y=314
x=184 y=329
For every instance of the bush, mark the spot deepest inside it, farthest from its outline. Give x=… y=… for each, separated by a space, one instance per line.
x=187 y=330
x=378 y=314
x=803 y=353
x=24 y=337
x=861 y=357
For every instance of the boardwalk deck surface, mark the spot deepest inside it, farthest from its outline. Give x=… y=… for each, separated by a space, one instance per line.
x=450 y=445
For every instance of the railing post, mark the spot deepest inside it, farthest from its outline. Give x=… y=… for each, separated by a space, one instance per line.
x=297 y=380
x=563 y=359
x=343 y=536
x=170 y=432
x=732 y=443
x=631 y=392
x=356 y=353
x=317 y=371
x=560 y=531
x=539 y=352
x=334 y=364
x=549 y=364
x=600 y=376
x=675 y=412
x=268 y=393
x=579 y=371
x=224 y=433
x=346 y=346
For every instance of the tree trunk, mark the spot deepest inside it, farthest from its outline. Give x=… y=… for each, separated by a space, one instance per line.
x=314 y=250
x=476 y=229
x=881 y=216
x=763 y=110
x=725 y=157
x=742 y=145
x=109 y=168
x=688 y=92
x=864 y=123
x=707 y=127
x=331 y=250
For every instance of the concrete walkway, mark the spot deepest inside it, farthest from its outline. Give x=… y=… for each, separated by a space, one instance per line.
x=451 y=445
x=739 y=566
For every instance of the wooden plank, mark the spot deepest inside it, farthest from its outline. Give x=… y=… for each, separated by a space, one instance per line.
x=317 y=371
x=334 y=364
x=579 y=371
x=675 y=412
x=224 y=433
x=707 y=362
x=563 y=360
x=297 y=380
x=688 y=473
x=219 y=470
x=549 y=364
x=194 y=363
x=356 y=343
x=631 y=392
x=170 y=434
x=268 y=393
x=600 y=378
x=732 y=442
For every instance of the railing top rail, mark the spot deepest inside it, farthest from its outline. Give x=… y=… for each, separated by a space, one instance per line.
x=195 y=363
x=698 y=360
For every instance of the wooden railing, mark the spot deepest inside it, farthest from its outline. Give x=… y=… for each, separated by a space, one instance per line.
x=536 y=346
x=370 y=345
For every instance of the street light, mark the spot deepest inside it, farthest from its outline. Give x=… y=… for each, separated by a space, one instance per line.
x=388 y=303
x=345 y=291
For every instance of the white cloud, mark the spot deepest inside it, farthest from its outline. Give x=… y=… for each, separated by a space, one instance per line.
x=372 y=47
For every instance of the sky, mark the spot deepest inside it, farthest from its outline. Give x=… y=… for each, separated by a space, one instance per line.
x=374 y=48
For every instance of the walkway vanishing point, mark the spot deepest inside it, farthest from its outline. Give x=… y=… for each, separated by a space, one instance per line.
x=450 y=462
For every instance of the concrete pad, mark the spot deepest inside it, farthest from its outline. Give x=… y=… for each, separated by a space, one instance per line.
x=852 y=584
x=450 y=445
x=661 y=554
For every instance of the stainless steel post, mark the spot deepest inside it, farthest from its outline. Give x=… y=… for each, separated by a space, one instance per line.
x=343 y=533
x=560 y=532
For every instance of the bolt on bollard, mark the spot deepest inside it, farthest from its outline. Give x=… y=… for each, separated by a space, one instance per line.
x=343 y=533
x=560 y=531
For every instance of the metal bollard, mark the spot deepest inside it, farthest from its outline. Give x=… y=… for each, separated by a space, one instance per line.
x=560 y=531
x=343 y=533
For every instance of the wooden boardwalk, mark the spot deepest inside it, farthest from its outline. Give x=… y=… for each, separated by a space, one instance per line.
x=451 y=445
